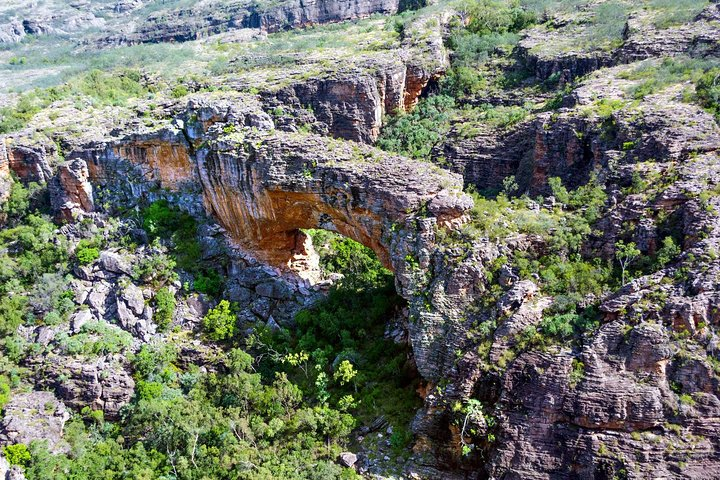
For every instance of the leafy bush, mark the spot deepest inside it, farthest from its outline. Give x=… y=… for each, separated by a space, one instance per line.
x=219 y=323
x=51 y=292
x=17 y=454
x=209 y=282
x=415 y=133
x=153 y=361
x=96 y=339
x=497 y=16
x=12 y=313
x=667 y=252
x=708 y=91
x=179 y=91
x=163 y=221
x=4 y=391
x=87 y=252
x=164 y=308
x=18 y=204
x=31 y=249
x=158 y=269
x=148 y=390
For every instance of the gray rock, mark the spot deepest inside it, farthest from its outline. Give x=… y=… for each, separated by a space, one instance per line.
x=133 y=297
x=278 y=290
x=99 y=299
x=114 y=262
x=272 y=324
x=261 y=307
x=103 y=383
x=348 y=459
x=80 y=318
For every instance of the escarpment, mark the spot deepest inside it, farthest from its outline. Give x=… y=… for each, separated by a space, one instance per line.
x=172 y=26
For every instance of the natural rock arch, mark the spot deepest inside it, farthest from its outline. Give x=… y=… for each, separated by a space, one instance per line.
x=264 y=189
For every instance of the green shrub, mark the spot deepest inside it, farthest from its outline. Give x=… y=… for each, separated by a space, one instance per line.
x=708 y=91
x=17 y=454
x=400 y=439
x=209 y=282
x=164 y=308
x=108 y=88
x=463 y=81
x=154 y=359
x=559 y=326
x=158 y=269
x=667 y=252
x=497 y=16
x=655 y=77
x=87 y=252
x=163 y=221
x=686 y=399
x=577 y=372
x=96 y=339
x=179 y=91
x=415 y=133
x=148 y=390
x=18 y=204
x=12 y=313
x=219 y=323
x=4 y=391
x=31 y=249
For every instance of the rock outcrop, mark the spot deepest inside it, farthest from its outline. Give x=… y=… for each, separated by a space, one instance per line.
x=565 y=52
x=70 y=190
x=102 y=383
x=264 y=189
x=33 y=416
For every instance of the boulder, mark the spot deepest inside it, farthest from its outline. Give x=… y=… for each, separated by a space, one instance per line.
x=115 y=263
x=347 y=459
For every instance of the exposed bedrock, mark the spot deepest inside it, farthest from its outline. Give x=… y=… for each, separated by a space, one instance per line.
x=210 y=19
x=547 y=53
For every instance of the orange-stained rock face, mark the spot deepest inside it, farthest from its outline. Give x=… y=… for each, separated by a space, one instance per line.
x=5 y=178
x=415 y=82
x=268 y=225
x=28 y=163
x=70 y=190
x=168 y=162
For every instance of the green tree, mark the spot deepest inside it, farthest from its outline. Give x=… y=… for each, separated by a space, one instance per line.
x=626 y=254
x=416 y=133
x=345 y=372
x=708 y=91
x=219 y=323
x=668 y=251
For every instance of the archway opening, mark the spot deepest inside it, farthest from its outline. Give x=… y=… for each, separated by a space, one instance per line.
x=353 y=347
